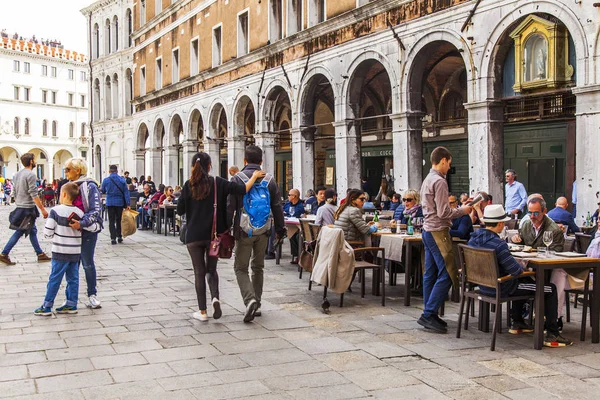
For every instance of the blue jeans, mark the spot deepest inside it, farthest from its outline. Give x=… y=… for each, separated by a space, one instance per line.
x=436 y=280
x=60 y=269
x=88 y=247
x=142 y=218
x=17 y=235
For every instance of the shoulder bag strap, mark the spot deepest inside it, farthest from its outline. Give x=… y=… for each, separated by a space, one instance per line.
x=214 y=225
x=121 y=190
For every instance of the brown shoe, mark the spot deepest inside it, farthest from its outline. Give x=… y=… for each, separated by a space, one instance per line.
x=6 y=259
x=43 y=257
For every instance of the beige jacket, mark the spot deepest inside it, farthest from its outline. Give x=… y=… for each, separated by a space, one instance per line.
x=333 y=263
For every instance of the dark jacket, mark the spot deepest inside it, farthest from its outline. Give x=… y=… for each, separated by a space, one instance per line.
x=462 y=227
x=235 y=204
x=403 y=217
x=507 y=265
x=394 y=206
x=199 y=213
x=293 y=210
x=398 y=211
x=562 y=216
x=316 y=206
x=115 y=188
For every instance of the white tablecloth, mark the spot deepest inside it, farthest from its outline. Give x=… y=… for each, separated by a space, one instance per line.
x=393 y=245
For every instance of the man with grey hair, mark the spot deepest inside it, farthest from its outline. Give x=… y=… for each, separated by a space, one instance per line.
x=531 y=232
x=516 y=195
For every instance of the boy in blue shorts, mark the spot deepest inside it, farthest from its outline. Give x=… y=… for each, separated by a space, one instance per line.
x=66 y=250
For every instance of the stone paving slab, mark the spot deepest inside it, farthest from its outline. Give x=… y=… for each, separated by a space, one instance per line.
x=143 y=343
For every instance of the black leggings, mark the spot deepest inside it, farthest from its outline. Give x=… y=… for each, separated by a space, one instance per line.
x=205 y=268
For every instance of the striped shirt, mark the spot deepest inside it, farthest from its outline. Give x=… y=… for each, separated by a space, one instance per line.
x=66 y=241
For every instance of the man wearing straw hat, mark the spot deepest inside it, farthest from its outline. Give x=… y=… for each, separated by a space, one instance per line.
x=494 y=218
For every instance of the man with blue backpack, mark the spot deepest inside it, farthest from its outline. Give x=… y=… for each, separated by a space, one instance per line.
x=253 y=215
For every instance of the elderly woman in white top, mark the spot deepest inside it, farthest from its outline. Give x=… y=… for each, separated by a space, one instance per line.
x=325 y=213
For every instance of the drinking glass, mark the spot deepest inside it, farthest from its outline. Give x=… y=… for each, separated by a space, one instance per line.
x=308 y=208
x=547 y=239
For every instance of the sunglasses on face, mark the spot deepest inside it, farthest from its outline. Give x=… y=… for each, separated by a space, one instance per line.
x=67 y=169
x=535 y=213
x=407 y=200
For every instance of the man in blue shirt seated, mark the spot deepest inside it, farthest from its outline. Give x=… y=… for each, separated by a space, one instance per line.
x=560 y=215
x=494 y=218
x=462 y=227
x=293 y=208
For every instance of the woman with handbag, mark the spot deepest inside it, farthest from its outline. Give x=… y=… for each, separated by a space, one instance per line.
x=203 y=201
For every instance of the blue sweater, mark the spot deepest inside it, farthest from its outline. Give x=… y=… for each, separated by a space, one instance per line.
x=507 y=264
x=295 y=211
x=462 y=227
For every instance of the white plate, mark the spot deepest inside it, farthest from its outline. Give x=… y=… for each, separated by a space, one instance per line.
x=570 y=254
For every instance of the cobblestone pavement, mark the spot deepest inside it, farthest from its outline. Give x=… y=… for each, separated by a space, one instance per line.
x=144 y=344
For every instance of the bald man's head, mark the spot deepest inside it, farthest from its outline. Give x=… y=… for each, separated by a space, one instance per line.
x=295 y=192
x=562 y=203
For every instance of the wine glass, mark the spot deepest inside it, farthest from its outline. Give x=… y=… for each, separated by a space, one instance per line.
x=547 y=239
x=308 y=208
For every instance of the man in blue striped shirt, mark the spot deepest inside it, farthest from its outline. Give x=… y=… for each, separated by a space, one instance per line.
x=494 y=218
x=66 y=251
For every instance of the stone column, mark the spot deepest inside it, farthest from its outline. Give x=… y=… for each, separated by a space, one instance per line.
x=407 y=135
x=235 y=151
x=211 y=147
x=486 y=148
x=156 y=166
x=347 y=156
x=190 y=148
x=171 y=166
x=303 y=159
x=266 y=141
x=140 y=163
x=587 y=148
x=49 y=174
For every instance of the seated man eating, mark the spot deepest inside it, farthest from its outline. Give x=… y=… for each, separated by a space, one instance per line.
x=494 y=218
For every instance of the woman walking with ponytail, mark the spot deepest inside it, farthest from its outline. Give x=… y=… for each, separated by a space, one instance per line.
x=197 y=202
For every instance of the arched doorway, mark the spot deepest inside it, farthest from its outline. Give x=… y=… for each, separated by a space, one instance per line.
x=58 y=162
x=316 y=122
x=369 y=106
x=10 y=162
x=159 y=169
x=41 y=158
x=142 y=151
x=175 y=152
x=196 y=129
x=218 y=134
x=96 y=98
x=244 y=129
x=438 y=89
x=278 y=118
x=534 y=73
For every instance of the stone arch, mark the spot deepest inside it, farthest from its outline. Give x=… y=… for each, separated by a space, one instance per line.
x=107 y=36
x=107 y=98
x=176 y=129
x=244 y=116
x=277 y=116
x=305 y=87
x=59 y=160
x=42 y=160
x=218 y=122
x=387 y=66
x=115 y=34
x=96 y=41
x=99 y=163
x=195 y=126
x=264 y=107
x=490 y=52
x=113 y=149
x=128 y=92
x=96 y=101
x=116 y=109
x=417 y=58
x=158 y=133
x=9 y=161
x=129 y=26
x=142 y=136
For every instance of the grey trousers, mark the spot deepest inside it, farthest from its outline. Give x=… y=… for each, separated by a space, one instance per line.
x=250 y=253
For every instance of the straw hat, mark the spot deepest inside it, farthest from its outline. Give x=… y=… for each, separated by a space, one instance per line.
x=494 y=213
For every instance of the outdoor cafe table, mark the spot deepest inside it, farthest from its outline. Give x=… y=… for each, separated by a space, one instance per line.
x=162 y=213
x=393 y=244
x=541 y=265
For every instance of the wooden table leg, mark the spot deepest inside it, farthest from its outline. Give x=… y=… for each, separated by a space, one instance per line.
x=595 y=308
x=407 y=272
x=166 y=225
x=538 y=332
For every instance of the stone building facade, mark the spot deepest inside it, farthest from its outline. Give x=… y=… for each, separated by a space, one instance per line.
x=110 y=24
x=335 y=90
x=43 y=106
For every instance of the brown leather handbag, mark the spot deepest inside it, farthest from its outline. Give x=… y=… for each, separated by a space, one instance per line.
x=221 y=245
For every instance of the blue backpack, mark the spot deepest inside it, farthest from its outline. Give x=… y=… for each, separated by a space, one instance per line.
x=255 y=218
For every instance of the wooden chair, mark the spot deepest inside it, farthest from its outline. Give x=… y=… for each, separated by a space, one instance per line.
x=480 y=268
x=154 y=218
x=306 y=241
x=314 y=230
x=582 y=242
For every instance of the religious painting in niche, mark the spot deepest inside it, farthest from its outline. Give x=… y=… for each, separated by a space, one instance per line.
x=541 y=55
x=535 y=58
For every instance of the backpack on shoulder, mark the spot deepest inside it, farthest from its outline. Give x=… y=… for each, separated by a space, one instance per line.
x=255 y=218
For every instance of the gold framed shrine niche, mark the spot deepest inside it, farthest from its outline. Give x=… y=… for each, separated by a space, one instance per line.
x=541 y=55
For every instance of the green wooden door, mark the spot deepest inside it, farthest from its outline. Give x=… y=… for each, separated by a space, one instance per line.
x=538 y=153
x=458 y=177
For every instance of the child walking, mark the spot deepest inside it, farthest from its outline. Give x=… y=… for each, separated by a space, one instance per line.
x=66 y=250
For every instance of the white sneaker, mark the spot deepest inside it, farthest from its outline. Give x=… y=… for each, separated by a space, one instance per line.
x=94 y=302
x=216 y=308
x=250 y=310
x=200 y=317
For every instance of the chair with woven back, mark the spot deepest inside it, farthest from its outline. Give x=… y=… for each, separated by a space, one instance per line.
x=582 y=242
x=307 y=245
x=480 y=268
